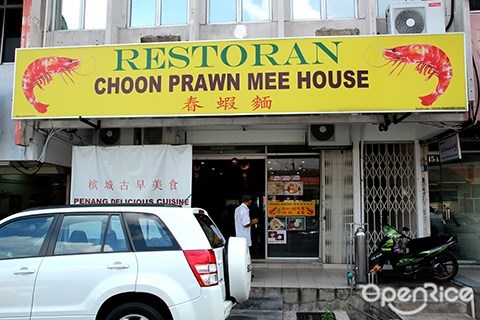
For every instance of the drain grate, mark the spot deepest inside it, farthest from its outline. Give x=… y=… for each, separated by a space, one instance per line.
x=315 y=316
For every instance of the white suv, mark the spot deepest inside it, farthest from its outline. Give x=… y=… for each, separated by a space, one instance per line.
x=119 y=263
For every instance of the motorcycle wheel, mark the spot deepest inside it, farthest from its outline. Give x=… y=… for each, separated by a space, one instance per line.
x=446 y=267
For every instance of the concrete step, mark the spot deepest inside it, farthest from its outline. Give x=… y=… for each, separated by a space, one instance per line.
x=426 y=294
x=258 y=308
x=435 y=310
x=255 y=315
x=436 y=316
x=290 y=304
x=431 y=307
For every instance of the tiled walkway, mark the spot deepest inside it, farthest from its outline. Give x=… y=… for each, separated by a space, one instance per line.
x=469 y=275
x=271 y=277
x=316 y=275
x=299 y=275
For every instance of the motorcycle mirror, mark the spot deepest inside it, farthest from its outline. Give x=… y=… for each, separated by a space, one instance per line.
x=405 y=229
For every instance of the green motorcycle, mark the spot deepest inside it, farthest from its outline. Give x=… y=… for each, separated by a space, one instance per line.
x=425 y=256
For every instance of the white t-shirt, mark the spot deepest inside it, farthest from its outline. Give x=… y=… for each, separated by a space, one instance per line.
x=242 y=218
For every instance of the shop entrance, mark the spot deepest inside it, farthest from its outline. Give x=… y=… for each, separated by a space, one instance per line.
x=218 y=186
x=293 y=214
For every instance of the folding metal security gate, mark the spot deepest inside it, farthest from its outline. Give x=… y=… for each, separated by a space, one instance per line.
x=389 y=188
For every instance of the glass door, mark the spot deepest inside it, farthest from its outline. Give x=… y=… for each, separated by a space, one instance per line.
x=218 y=186
x=293 y=207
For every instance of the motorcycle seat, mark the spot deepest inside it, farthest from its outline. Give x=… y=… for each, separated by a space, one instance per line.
x=426 y=243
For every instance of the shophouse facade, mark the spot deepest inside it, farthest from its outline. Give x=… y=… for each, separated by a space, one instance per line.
x=317 y=173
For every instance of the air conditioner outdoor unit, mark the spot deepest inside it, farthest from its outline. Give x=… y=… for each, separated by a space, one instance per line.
x=415 y=17
x=328 y=135
x=109 y=137
x=136 y=136
x=152 y=135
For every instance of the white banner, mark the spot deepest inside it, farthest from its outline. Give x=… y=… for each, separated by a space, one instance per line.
x=154 y=174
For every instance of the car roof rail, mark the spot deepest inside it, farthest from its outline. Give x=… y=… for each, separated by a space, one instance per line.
x=162 y=205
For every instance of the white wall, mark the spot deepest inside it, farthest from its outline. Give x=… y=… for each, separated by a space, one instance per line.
x=296 y=134
x=8 y=149
x=249 y=136
x=400 y=132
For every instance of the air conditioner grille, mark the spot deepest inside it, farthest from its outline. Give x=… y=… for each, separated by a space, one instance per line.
x=410 y=21
x=322 y=132
x=109 y=136
x=328 y=135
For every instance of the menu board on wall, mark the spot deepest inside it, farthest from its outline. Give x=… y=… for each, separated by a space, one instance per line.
x=290 y=208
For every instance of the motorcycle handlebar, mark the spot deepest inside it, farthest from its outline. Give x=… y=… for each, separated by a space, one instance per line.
x=394 y=233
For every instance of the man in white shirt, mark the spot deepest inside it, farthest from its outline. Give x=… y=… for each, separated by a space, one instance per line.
x=242 y=219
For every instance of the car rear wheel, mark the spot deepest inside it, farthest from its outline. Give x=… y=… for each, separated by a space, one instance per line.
x=134 y=311
x=239 y=268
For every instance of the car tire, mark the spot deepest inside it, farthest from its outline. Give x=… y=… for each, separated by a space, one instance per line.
x=134 y=311
x=446 y=267
x=239 y=268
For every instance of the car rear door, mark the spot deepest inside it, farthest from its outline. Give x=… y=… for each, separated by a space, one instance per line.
x=233 y=260
x=90 y=261
x=217 y=242
x=163 y=268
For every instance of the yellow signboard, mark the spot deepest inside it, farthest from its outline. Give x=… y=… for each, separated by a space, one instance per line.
x=398 y=73
x=297 y=208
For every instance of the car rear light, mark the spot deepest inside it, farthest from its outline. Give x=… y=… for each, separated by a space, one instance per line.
x=204 y=266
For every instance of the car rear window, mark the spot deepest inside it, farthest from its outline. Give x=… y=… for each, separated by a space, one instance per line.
x=213 y=234
x=90 y=233
x=149 y=233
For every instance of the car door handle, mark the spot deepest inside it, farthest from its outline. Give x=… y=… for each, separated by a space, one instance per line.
x=118 y=266
x=24 y=270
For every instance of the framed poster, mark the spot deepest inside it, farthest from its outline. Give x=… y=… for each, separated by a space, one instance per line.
x=296 y=223
x=277 y=237
x=276 y=223
x=275 y=188
x=293 y=188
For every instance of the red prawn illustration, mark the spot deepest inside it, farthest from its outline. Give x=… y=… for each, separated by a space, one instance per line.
x=430 y=61
x=39 y=74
